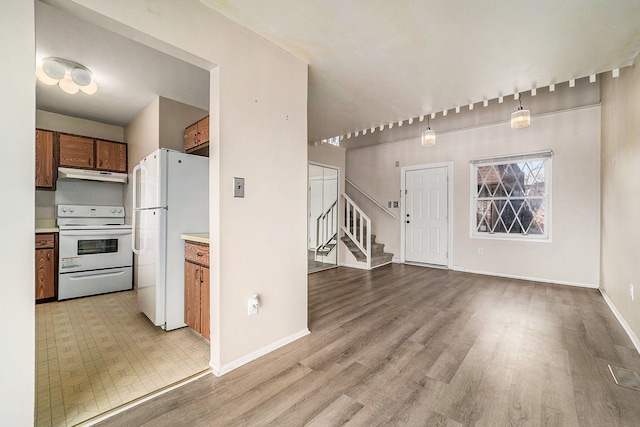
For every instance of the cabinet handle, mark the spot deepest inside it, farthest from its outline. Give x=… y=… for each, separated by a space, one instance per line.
x=49 y=256
x=200 y=254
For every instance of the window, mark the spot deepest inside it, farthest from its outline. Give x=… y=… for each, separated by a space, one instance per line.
x=511 y=196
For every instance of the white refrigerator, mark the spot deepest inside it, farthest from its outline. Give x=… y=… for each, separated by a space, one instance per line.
x=170 y=198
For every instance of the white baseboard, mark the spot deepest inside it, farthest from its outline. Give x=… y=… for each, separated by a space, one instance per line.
x=396 y=261
x=458 y=268
x=625 y=325
x=225 y=369
x=533 y=279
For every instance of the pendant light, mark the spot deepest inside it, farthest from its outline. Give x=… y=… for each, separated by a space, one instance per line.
x=428 y=136
x=520 y=118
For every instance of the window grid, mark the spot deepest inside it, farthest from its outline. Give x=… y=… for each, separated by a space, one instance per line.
x=510 y=198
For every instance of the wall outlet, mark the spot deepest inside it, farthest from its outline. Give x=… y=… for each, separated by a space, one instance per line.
x=480 y=251
x=631 y=292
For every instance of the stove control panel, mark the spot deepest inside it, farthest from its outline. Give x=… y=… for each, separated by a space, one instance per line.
x=83 y=211
x=75 y=215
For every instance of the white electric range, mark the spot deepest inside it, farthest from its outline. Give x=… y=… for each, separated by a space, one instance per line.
x=95 y=254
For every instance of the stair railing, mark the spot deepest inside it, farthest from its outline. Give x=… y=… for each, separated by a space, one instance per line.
x=375 y=202
x=357 y=226
x=326 y=227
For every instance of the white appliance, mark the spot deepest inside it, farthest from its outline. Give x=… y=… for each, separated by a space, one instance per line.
x=170 y=198
x=94 y=251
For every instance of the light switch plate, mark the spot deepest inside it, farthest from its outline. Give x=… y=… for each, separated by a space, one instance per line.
x=238 y=187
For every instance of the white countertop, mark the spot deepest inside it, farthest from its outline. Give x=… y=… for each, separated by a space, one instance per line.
x=46 y=225
x=196 y=237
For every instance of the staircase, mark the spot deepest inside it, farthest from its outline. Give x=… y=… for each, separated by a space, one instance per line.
x=359 y=240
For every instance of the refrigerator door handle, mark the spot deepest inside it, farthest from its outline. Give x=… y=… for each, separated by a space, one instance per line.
x=134 y=227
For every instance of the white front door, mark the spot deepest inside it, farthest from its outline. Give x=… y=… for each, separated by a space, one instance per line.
x=427 y=216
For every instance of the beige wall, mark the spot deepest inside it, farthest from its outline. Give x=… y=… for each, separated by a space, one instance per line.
x=572 y=257
x=620 y=196
x=17 y=120
x=330 y=155
x=73 y=125
x=258 y=99
x=174 y=118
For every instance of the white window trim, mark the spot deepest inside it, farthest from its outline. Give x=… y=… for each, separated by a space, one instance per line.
x=473 y=186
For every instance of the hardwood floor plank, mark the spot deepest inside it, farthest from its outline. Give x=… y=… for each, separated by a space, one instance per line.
x=411 y=346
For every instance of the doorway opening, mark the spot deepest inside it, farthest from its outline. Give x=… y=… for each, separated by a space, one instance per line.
x=322 y=221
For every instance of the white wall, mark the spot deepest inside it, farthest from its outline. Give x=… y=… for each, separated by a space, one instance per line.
x=17 y=121
x=259 y=105
x=73 y=125
x=621 y=196
x=572 y=257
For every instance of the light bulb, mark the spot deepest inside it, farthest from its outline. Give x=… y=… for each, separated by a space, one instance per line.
x=44 y=78
x=68 y=86
x=90 y=89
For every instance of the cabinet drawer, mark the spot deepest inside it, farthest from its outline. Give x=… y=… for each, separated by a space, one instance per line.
x=44 y=241
x=198 y=253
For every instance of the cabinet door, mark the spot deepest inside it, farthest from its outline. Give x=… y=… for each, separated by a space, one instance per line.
x=76 y=151
x=45 y=273
x=111 y=156
x=192 y=301
x=204 y=302
x=203 y=131
x=191 y=137
x=45 y=160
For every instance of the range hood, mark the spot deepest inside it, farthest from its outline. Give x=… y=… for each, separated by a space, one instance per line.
x=90 y=175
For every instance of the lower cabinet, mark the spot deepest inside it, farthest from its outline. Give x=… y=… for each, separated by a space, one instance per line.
x=196 y=288
x=46 y=271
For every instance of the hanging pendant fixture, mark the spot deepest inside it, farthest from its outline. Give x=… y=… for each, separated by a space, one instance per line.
x=520 y=118
x=428 y=136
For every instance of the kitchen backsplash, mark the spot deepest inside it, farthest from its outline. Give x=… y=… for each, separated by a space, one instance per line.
x=78 y=193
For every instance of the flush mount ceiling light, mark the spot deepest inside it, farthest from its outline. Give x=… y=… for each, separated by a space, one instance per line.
x=70 y=76
x=520 y=118
x=428 y=136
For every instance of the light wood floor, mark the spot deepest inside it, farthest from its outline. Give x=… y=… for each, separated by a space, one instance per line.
x=412 y=346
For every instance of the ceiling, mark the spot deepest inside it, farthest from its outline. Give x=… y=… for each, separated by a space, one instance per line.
x=371 y=62
x=129 y=75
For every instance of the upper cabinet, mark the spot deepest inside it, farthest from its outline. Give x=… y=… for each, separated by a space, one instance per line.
x=55 y=149
x=45 y=160
x=76 y=151
x=88 y=153
x=196 y=137
x=111 y=156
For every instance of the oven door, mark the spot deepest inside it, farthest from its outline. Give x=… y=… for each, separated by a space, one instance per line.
x=85 y=250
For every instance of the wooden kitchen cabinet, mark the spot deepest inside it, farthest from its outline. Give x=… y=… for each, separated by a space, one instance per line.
x=196 y=136
x=94 y=154
x=196 y=287
x=111 y=156
x=46 y=267
x=76 y=151
x=46 y=160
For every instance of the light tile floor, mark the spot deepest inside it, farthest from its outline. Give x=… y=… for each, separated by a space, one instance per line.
x=96 y=353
